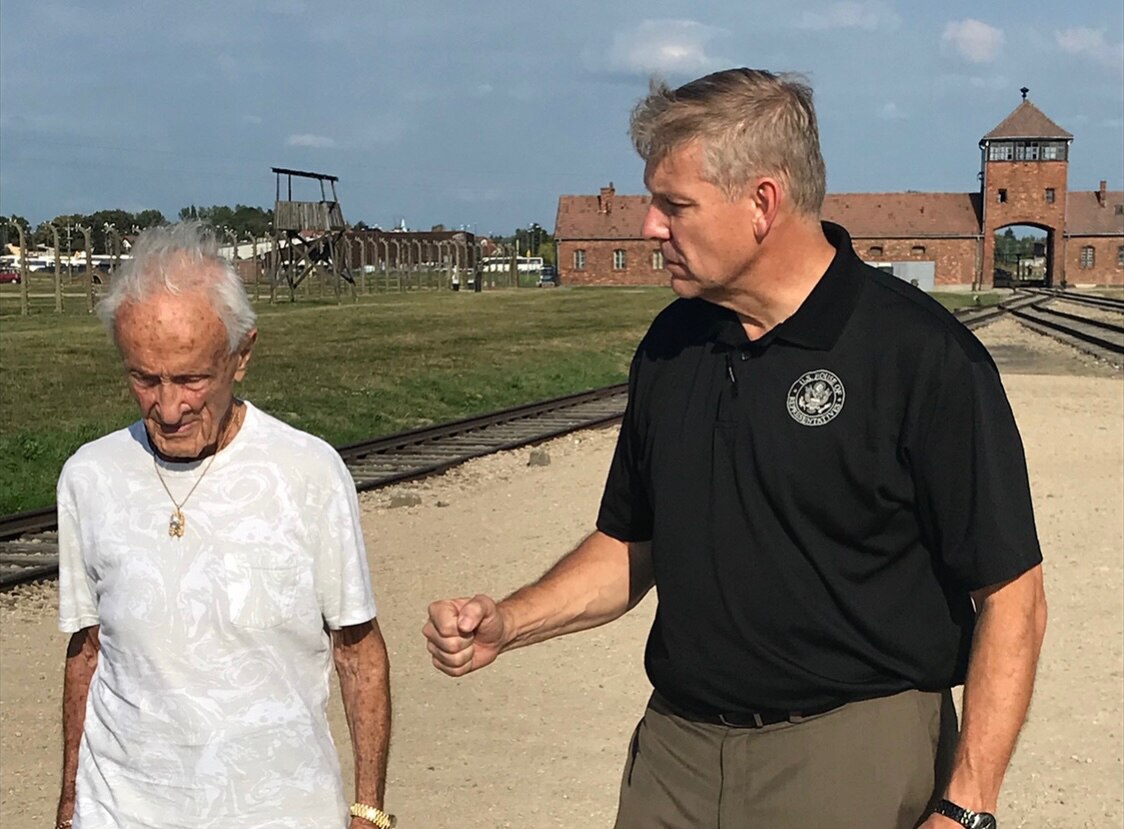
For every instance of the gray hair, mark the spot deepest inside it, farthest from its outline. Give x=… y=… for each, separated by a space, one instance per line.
x=177 y=259
x=749 y=123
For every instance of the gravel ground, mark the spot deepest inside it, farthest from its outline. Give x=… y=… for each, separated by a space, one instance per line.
x=538 y=739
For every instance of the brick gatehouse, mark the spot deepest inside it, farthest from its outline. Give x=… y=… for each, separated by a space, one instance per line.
x=938 y=240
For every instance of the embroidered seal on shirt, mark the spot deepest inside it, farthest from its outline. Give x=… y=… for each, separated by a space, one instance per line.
x=816 y=398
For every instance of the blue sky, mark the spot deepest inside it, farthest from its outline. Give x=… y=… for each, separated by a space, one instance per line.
x=482 y=114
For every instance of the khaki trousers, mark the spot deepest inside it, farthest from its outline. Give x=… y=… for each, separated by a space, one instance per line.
x=875 y=764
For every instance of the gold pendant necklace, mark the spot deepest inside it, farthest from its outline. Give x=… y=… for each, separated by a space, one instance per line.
x=177 y=521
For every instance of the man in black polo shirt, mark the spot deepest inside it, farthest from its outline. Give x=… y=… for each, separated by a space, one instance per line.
x=820 y=473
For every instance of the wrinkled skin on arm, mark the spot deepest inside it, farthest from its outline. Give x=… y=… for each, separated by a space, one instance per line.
x=363 y=668
x=81 y=662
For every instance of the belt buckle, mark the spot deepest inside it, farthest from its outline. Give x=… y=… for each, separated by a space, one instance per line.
x=758 y=722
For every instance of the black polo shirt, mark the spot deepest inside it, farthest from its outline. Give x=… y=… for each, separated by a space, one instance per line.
x=820 y=500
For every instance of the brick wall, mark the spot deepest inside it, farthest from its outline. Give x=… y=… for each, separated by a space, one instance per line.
x=599 y=268
x=1106 y=269
x=1025 y=184
x=955 y=258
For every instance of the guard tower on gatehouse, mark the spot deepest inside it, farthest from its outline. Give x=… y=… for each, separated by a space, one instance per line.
x=1024 y=175
x=308 y=235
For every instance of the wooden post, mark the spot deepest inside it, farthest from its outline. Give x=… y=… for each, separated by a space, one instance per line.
x=257 y=266
x=274 y=269
x=25 y=307
x=363 y=265
x=58 y=269
x=89 y=268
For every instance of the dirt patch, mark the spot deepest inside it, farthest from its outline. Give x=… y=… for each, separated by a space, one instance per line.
x=538 y=739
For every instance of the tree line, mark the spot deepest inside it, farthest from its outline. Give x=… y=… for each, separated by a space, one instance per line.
x=106 y=225
x=243 y=221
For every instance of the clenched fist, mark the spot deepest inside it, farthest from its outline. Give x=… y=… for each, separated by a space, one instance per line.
x=463 y=635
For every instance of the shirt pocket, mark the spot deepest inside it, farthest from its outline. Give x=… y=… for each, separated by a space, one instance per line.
x=261 y=588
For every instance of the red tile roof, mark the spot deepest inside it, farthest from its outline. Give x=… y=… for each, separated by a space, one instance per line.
x=904 y=215
x=1027 y=121
x=583 y=217
x=1086 y=217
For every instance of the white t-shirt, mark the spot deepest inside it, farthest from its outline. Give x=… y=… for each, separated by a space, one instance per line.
x=208 y=706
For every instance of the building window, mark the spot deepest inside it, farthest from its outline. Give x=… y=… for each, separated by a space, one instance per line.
x=874 y=250
x=1001 y=195
x=1026 y=151
x=1088 y=257
x=1120 y=257
x=1053 y=151
x=579 y=260
x=620 y=259
x=657 y=260
x=917 y=250
x=1000 y=152
x=1049 y=195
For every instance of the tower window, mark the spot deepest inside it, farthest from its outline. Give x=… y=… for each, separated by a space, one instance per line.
x=874 y=250
x=1002 y=151
x=620 y=259
x=1001 y=195
x=1050 y=195
x=1088 y=257
x=917 y=250
x=1120 y=257
x=1053 y=151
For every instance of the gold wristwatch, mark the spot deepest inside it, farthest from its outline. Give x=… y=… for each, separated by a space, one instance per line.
x=372 y=815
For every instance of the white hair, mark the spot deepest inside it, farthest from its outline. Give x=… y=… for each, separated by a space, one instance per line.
x=181 y=258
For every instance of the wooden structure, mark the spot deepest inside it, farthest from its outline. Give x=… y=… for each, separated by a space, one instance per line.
x=308 y=235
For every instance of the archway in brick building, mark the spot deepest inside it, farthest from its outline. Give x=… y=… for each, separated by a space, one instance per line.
x=1024 y=256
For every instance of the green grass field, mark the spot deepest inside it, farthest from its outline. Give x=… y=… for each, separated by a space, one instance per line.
x=385 y=364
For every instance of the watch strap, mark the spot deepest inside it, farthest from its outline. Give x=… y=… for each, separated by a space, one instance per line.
x=372 y=815
x=965 y=817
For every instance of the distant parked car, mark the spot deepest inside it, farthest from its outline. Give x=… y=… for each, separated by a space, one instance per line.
x=8 y=276
x=548 y=276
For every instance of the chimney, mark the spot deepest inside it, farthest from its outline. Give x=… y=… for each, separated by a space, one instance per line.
x=1102 y=197
x=605 y=200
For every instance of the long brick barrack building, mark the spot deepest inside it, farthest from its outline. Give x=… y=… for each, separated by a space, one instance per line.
x=938 y=240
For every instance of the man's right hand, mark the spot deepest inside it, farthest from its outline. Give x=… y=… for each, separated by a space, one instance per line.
x=464 y=635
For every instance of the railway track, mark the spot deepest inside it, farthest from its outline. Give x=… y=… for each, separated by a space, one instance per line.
x=29 y=540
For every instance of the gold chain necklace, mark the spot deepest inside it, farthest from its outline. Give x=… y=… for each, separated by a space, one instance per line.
x=177 y=521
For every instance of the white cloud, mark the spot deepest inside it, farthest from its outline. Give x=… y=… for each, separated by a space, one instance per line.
x=670 y=47
x=973 y=40
x=1091 y=44
x=869 y=15
x=305 y=139
x=994 y=83
x=889 y=112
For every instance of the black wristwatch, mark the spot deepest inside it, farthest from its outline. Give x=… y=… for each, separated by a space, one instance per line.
x=966 y=817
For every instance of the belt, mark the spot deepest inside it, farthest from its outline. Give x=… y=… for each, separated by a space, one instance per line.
x=758 y=719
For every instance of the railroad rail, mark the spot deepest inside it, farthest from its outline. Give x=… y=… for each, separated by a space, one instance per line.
x=29 y=540
x=1102 y=338
x=1093 y=300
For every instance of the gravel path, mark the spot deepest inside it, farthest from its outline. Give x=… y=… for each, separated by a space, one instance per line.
x=538 y=739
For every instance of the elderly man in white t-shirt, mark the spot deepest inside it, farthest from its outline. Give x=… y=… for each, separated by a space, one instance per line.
x=211 y=570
